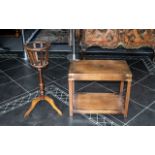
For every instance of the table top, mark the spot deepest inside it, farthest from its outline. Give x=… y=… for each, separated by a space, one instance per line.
x=100 y=70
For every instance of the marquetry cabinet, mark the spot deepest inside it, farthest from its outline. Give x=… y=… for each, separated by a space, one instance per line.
x=113 y=38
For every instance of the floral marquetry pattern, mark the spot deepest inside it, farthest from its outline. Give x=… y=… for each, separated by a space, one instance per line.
x=135 y=38
x=112 y=38
x=107 y=38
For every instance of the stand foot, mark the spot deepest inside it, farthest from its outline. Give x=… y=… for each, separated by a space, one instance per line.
x=33 y=105
x=37 y=100
x=51 y=102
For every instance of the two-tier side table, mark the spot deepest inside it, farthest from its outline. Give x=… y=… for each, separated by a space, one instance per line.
x=100 y=103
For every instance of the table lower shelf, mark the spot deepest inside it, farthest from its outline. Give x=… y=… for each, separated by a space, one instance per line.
x=105 y=103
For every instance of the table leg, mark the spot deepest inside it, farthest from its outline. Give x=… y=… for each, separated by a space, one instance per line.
x=121 y=87
x=127 y=98
x=71 y=96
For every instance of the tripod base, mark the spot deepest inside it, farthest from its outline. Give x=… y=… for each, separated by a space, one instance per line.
x=37 y=100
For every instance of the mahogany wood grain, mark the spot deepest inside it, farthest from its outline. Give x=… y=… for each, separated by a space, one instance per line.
x=71 y=96
x=121 y=87
x=98 y=103
x=106 y=70
x=99 y=70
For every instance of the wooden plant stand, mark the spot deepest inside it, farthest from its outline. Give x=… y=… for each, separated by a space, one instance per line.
x=37 y=53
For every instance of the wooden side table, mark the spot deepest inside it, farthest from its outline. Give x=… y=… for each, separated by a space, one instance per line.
x=99 y=70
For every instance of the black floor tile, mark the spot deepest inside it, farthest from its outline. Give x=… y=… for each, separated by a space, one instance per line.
x=113 y=118
x=63 y=82
x=142 y=95
x=134 y=109
x=94 y=87
x=113 y=86
x=3 y=59
x=103 y=120
x=82 y=84
x=4 y=79
x=149 y=82
x=130 y=62
x=78 y=84
x=25 y=62
x=146 y=118
x=42 y=115
x=65 y=120
x=152 y=107
x=137 y=74
x=58 y=60
x=10 y=90
x=43 y=112
x=66 y=65
x=140 y=65
x=8 y=64
x=17 y=116
x=50 y=65
x=31 y=82
x=56 y=73
x=22 y=71
x=79 y=120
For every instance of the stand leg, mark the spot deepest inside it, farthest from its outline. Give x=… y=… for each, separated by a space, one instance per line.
x=71 y=97
x=36 y=101
x=33 y=104
x=121 y=87
x=51 y=102
x=127 y=98
x=41 y=83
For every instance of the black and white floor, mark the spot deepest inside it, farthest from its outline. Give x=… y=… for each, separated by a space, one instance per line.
x=19 y=85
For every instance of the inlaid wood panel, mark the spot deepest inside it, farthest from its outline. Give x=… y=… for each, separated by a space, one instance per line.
x=107 y=38
x=112 y=38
